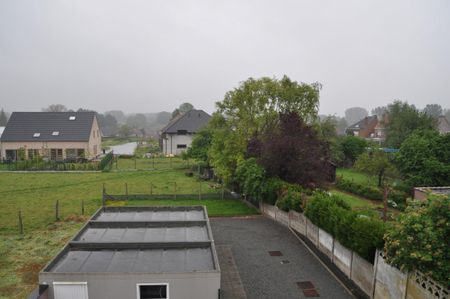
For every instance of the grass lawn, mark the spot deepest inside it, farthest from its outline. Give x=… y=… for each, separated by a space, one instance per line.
x=35 y=194
x=356 y=202
x=357 y=177
x=215 y=207
x=158 y=163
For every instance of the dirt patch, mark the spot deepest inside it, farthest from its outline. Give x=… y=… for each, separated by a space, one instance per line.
x=9 y=291
x=29 y=273
x=76 y=218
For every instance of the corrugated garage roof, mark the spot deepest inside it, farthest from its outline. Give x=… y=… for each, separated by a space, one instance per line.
x=42 y=126
x=141 y=240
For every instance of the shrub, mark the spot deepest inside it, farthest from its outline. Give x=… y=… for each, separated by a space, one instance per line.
x=290 y=200
x=251 y=177
x=420 y=239
x=356 y=232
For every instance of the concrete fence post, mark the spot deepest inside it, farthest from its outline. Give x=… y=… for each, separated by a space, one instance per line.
x=375 y=270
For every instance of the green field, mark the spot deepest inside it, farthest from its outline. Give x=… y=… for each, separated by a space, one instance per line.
x=35 y=194
x=357 y=177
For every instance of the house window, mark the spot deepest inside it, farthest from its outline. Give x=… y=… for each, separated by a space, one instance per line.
x=181 y=145
x=73 y=117
x=153 y=291
x=182 y=132
x=36 y=135
x=80 y=153
x=55 y=133
x=33 y=153
x=71 y=153
x=56 y=154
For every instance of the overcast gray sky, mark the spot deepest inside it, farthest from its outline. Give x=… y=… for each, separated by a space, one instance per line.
x=149 y=56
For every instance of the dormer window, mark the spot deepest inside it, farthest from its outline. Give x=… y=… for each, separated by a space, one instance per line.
x=36 y=135
x=55 y=133
x=72 y=117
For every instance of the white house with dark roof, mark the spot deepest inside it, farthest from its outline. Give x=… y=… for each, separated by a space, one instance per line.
x=51 y=135
x=177 y=136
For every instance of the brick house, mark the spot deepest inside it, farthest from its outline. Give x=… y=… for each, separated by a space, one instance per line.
x=365 y=128
x=54 y=136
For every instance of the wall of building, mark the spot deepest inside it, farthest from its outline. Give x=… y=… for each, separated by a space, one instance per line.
x=95 y=140
x=171 y=141
x=119 y=286
x=45 y=146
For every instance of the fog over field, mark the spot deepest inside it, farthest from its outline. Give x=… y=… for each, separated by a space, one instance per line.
x=150 y=56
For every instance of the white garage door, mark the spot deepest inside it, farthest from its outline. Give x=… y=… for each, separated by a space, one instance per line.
x=70 y=290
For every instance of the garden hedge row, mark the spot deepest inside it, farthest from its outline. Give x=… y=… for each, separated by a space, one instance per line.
x=356 y=232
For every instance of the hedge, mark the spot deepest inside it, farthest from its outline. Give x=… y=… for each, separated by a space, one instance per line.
x=356 y=232
x=395 y=197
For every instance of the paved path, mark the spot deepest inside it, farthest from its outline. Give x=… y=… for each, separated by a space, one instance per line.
x=265 y=276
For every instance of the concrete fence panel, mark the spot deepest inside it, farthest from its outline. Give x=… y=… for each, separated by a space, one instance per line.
x=342 y=257
x=420 y=286
x=269 y=211
x=326 y=243
x=312 y=232
x=282 y=217
x=298 y=222
x=362 y=273
x=390 y=283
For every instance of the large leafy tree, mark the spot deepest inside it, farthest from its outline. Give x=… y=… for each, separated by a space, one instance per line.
x=200 y=145
x=424 y=159
x=403 y=119
x=420 y=238
x=434 y=110
x=55 y=108
x=376 y=163
x=185 y=107
x=294 y=152
x=351 y=147
x=355 y=114
x=251 y=109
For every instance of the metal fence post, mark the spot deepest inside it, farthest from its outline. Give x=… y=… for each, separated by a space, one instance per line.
x=82 y=207
x=57 y=210
x=174 y=190
x=20 y=223
x=200 y=190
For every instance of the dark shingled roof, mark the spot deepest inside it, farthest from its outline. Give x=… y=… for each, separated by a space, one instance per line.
x=363 y=123
x=23 y=125
x=191 y=121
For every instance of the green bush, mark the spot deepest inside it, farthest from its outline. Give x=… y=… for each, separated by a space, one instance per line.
x=420 y=239
x=251 y=178
x=106 y=162
x=290 y=200
x=356 y=232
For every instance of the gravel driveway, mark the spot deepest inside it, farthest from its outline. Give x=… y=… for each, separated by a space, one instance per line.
x=265 y=276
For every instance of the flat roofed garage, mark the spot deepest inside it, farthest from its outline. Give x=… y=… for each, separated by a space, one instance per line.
x=138 y=252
